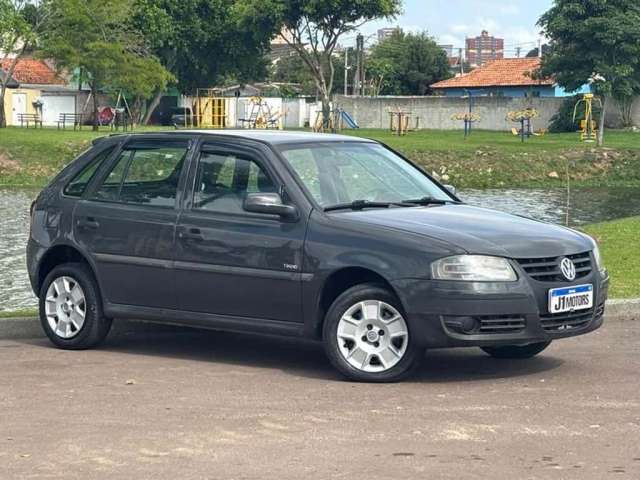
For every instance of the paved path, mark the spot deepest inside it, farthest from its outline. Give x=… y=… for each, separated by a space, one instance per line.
x=165 y=403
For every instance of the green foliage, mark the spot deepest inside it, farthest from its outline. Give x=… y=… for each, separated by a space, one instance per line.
x=93 y=36
x=594 y=37
x=292 y=69
x=200 y=41
x=408 y=64
x=15 y=26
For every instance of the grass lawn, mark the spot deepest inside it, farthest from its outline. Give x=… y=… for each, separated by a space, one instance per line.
x=498 y=159
x=26 y=312
x=30 y=157
x=620 y=246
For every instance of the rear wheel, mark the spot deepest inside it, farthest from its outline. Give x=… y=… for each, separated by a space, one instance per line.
x=517 y=351
x=367 y=338
x=70 y=308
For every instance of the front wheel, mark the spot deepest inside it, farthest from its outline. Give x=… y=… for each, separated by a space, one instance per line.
x=517 y=351
x=367 y=338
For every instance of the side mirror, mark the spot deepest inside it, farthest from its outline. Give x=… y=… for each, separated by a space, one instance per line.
x=451 y=189
x=270 y=204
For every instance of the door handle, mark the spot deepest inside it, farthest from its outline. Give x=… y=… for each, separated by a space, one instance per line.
x=88 y=223
x=191 y=234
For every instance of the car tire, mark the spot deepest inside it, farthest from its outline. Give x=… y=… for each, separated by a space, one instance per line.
x=517 y=351
x=367 y=338
x=71 y=308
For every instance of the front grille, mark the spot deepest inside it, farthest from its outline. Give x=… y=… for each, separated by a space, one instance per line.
x=569 y=320
x=500 y=324
x=548 y=269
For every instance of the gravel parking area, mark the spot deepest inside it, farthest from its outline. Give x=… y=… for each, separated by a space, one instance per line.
x=167 y=403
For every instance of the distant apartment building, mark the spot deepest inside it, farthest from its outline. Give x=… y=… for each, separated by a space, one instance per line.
x=384 y=33
x=483 y=49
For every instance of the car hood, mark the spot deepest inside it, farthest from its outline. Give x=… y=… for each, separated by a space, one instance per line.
x=479 y=230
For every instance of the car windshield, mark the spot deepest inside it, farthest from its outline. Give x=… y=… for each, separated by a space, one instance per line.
x=360 y=174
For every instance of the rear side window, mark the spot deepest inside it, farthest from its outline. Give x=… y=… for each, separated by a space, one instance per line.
x=145 y=175
x=78 y=184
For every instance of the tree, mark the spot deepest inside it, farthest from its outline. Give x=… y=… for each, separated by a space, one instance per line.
x=594 y=41
x=199 y=42
x=94 y=38
x=534 y=52
x=19 y=22
x=313 y=28
x=408 y=63
x=292 y=69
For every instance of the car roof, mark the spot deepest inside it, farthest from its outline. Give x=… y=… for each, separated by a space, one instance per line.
x=264 y=136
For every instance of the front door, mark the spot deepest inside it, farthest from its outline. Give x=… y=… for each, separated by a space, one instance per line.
x=127 y=222
x=231 y=262
x=19 y=105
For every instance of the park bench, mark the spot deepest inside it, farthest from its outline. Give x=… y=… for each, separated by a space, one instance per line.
x=72 y=118
x=26 y=118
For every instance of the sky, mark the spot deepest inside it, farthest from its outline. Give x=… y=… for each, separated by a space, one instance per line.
x=451 y=21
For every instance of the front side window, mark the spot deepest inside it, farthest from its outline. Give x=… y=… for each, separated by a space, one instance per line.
x=347 y=172
x=78 y=184
x=223 y=181
x=145 y=175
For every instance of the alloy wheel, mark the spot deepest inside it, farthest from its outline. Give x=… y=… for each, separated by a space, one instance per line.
x=65 y=307
x=372 y=336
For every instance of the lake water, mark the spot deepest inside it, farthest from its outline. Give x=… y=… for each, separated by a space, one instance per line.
x=587 y=206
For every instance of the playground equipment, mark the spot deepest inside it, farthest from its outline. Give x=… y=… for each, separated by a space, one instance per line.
x=209 y=110
x=399 y=122
x=588 y=126
x=468 y=118
x=261 y=115
x=523 y=117
x=338 y=118
x=118 y=117
x=347 y=119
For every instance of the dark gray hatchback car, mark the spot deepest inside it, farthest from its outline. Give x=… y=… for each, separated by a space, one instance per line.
x=321 y=236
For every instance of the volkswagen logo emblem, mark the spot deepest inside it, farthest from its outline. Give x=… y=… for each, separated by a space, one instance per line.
x=568 y=269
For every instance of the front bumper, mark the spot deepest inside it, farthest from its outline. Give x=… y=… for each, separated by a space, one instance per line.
x=513 y=313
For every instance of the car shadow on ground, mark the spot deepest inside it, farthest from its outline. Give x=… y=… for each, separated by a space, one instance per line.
x=301 y=357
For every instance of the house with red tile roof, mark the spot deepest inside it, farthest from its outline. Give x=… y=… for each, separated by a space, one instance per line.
x=35 y=87
x=508 y=77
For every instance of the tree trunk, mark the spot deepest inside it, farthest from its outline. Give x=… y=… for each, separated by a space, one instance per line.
x=3 y=120
x=603 y=114
x=626 y=108
x=326 y=111
x=94 y=94
x=155 y=101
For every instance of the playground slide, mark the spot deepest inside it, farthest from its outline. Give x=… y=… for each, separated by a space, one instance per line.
x=349 y=120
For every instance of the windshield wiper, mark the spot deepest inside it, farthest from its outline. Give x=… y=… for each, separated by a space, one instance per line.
x=427 y=201
x=358 y=205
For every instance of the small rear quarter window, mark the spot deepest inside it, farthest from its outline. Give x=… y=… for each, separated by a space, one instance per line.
x=78 y=184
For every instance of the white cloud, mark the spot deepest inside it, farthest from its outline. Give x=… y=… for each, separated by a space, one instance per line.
x=509 y=9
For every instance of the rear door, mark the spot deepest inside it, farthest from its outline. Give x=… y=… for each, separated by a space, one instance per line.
x=127 y=221
x=231 y=262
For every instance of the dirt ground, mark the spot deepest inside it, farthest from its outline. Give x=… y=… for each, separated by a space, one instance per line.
x=167 y=403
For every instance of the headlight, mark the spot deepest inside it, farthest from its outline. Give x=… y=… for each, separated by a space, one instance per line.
x=473 y=268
